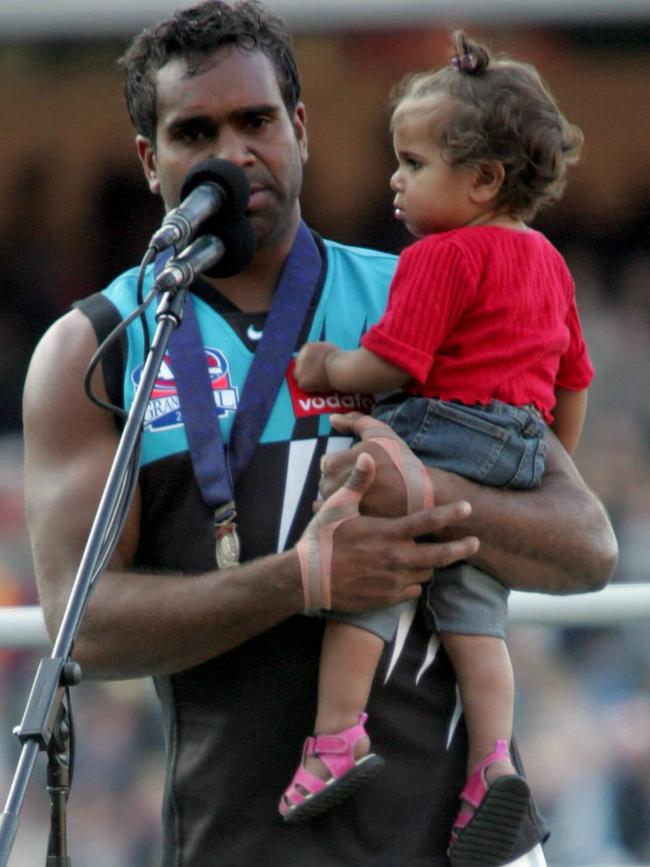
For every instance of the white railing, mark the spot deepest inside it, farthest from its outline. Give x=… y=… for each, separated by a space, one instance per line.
x=23 y=627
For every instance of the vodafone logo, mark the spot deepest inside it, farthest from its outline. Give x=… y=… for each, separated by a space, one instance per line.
x=320 y=403
x=317 y=404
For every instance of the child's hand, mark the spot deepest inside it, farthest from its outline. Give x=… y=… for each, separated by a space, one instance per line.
x=311 y=366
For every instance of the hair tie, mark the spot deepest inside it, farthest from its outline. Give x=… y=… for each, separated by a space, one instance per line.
x=464 y=63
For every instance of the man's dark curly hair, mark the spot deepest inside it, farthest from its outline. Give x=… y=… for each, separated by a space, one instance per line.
x=500 y=110
x=197 y=32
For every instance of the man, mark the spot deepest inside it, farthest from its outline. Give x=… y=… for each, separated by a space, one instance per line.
x=234 y=658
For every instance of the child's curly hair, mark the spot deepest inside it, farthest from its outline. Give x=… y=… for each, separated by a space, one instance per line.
x=501 y=111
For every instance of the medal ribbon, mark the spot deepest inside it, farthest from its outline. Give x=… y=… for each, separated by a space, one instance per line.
x=217 y=466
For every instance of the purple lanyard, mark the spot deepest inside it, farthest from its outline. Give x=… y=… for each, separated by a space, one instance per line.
x=217 y=466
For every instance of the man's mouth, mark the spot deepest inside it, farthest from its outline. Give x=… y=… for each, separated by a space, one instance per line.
x=258 y=194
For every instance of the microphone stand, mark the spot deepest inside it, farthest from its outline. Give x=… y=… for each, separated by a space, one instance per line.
x=47 y=723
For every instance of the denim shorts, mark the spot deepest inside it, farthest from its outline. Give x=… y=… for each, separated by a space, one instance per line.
x=497 y=445
x=380 y=621
x=466 y=601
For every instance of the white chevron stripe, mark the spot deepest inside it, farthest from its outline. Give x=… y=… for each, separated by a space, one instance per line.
x=301 y=453
x=403 y=627
x=455 y=718
x=432 y=651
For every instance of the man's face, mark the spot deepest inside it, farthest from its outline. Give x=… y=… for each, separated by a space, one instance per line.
x=230 y=109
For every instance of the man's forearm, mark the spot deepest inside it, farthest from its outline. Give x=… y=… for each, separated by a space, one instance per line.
x=145 y=624
x=555 y=540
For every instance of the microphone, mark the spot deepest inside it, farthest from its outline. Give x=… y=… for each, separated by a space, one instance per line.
x=238 y=237
x=212 y=187
x=194 y=260
x=214 y=256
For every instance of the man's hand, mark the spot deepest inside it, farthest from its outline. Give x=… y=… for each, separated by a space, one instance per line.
x=387 y=496
x=311 y=366
x=366 y=562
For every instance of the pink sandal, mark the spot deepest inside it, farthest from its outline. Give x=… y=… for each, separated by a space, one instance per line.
x=486 y=837
x=336 y=752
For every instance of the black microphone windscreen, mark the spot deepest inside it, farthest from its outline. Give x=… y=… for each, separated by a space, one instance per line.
x=228 y=176
x=238 y=237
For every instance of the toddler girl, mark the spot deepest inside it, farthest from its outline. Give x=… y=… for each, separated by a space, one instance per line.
x=482 y=340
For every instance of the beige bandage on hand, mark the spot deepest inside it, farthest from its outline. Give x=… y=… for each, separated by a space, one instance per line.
x=315 y=547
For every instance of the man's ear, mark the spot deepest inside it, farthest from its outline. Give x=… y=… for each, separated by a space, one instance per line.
x=300 y=127
x=488 y=180
x=147 y=156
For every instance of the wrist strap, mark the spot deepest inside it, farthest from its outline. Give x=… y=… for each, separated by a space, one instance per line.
x=315 y=548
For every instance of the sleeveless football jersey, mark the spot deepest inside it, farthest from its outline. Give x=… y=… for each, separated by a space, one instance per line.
x=234 y=726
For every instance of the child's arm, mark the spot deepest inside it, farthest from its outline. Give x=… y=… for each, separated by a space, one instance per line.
x=570 y=410
x=323 y=366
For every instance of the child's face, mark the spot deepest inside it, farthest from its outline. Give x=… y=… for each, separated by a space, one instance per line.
x=430 y=195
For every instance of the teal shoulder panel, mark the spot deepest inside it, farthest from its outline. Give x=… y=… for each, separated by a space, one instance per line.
x=353 y=298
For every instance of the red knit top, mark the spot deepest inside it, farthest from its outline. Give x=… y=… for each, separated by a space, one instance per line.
x=484 y=313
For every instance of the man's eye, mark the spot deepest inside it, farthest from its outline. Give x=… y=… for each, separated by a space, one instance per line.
x=413 y=164
x=257 y=121
x=193 y=135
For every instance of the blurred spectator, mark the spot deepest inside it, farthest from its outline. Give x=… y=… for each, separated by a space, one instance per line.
x=122 y=217
x=26 y=271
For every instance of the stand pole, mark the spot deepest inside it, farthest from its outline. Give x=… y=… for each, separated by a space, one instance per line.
x=46 y=721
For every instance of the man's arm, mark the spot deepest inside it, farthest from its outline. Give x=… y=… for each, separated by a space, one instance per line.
x=140 y=624
x=555 y=539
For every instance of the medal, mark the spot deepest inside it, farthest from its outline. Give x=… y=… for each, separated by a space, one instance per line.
x=228 y=548
x=228 y=545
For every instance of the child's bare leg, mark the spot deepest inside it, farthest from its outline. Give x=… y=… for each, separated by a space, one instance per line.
x=485 y=679
x=349 y=658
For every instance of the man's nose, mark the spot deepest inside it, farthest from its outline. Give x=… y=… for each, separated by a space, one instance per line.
x=395 y=182
x=232 y=147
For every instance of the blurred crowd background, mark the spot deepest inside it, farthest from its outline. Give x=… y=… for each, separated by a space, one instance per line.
x=75 y=211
